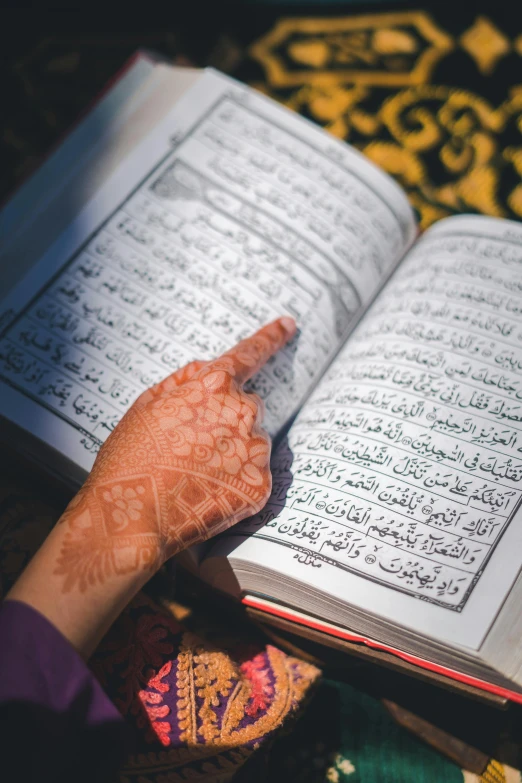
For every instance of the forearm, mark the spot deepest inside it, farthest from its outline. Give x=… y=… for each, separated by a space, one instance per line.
x=82 y=607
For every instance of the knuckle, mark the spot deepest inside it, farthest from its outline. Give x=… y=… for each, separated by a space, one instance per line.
x=145 y=397
x=258 y=401
x=263 y=434
x=255 y=402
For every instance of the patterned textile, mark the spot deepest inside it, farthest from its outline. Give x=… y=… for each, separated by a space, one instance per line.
x=198 y=711
x=434 y=99
x=432 y=96
x=198 y=708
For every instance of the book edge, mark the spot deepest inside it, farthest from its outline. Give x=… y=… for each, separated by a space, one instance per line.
x=337 y=631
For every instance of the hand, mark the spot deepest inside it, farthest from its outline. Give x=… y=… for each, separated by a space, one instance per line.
x=188 y=460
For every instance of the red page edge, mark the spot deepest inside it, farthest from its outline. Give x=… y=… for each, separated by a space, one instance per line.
x=317 y=625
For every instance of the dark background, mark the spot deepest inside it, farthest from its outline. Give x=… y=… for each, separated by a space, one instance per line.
x=56 y=58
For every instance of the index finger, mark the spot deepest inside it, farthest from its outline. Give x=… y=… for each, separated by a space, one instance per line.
x=249 y=355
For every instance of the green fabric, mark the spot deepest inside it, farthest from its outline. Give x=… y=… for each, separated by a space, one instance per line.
x=346 y=735
x=374 y=744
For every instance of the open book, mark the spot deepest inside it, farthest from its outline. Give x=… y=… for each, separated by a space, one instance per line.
x=185 y=212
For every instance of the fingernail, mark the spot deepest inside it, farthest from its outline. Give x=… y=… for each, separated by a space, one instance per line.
x=288 y=324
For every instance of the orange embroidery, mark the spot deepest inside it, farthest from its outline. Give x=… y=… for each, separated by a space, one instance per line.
x=207 y=679
x=188 y=460
x=206 y=688
x=214 y=674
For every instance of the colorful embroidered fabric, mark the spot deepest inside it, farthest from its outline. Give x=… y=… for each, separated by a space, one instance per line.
x=197 y=709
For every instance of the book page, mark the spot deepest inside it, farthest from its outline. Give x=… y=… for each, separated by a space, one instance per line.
x=401 y=484
x=69 y=179
x=231 y=213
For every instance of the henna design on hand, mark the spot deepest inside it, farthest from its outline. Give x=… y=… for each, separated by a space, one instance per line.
x=188 y=460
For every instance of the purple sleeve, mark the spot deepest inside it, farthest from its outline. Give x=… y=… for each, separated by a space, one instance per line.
x=56 y=721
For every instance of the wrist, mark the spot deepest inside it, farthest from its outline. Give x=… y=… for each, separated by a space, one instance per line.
x=80 y=579
x=111 y=531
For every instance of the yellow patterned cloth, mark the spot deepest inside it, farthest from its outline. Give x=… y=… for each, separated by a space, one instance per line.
x=439 y=109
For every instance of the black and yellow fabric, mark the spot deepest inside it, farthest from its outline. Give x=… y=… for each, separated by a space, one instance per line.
x=436 y=102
